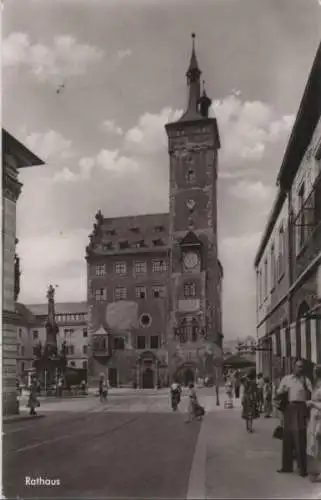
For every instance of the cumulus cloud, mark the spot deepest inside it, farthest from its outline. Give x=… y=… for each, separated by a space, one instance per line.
x=247 y=128
x=148 y=136
x=111 y=127
x=253 y=191
x=50 y=145
x=86 y=166
x=132 y=178
x=123 y=53
x=65 y=175
x=65 y=57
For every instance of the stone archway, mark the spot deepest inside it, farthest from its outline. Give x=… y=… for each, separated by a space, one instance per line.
x=189 y=376
x=185 y=374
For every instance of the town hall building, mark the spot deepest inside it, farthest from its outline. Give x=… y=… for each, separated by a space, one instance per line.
x=155 y=281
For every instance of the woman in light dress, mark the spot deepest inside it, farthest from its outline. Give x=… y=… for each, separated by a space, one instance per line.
x=228 y=403
x=192 y=403
x=314 y=429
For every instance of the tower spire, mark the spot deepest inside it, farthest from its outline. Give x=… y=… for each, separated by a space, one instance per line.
x=193 y=76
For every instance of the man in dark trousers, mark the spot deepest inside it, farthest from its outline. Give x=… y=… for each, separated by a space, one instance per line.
x=298 y=389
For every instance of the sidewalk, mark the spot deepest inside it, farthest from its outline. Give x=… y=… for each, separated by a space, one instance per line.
x=241 y=465
x=19 y=418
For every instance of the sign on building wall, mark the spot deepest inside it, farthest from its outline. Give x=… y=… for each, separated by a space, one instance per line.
x=188 y=305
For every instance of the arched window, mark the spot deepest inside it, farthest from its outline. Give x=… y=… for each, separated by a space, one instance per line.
x=194 y=330
x=189 y=329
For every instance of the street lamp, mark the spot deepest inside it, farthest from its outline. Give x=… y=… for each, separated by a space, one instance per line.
x=217 y=362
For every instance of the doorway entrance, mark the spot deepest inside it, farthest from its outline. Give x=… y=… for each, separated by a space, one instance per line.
x=188 y=376
x=148 y=379
x=112 y=375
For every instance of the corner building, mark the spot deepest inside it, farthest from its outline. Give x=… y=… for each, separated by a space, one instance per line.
x=14 y=157
x=288 y=261
x=155 y=281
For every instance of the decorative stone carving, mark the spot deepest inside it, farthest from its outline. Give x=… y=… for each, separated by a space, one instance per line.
x=190 y=205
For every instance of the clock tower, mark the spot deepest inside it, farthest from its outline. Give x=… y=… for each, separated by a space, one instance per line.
x=194 y=333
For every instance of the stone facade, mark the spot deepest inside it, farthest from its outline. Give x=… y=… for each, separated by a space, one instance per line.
x=305 y=202
x=194 y=327
x=289 y=302
x=11 y=191
x=144 y=339
x=128 y=269
x=14 y=156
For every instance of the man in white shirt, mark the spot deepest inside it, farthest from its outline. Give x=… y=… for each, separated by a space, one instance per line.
x=298 y=389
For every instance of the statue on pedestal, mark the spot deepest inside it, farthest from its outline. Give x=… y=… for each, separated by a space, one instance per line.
x=51 y=325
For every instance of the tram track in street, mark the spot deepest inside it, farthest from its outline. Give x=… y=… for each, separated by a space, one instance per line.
x=82 y=434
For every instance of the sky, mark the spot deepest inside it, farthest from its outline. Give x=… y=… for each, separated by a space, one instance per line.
x=88 y=85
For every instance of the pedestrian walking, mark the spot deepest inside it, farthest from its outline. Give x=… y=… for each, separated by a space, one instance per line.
x=260 y=384
x=194 y=409
x=33 y=402
x=83 y=387
x=103 y=389
x=237 y=384
x=176 y=391
x=228 y=403
x=294 y=391
x=267 y=397
x=250 y=409
x=314 y=428
x=59 y=386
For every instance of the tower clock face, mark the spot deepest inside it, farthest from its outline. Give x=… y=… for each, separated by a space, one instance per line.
x=190 y=260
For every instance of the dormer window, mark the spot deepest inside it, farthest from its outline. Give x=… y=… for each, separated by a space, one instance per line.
x=190 y=176
x=123 y=245
x=189 y=290
x=108 y=246
x=139 y=244
x=158 y=243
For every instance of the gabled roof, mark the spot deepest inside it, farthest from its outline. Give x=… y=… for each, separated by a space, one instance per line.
x=306 y=120
x=190 y=239
x=23 y=156
x=25 y=313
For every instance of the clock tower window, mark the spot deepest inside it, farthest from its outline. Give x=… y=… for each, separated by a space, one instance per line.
x=183 y=333
x=189 y=290
x=188 y=330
